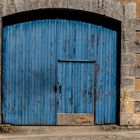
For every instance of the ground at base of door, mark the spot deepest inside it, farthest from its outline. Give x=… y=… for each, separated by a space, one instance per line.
x=112 y=132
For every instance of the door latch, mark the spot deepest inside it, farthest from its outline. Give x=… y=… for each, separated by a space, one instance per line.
x=55 y=87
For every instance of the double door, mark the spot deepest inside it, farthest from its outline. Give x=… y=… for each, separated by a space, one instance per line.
x=52 y=68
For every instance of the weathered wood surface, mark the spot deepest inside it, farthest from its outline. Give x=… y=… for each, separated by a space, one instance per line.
x=75 y=119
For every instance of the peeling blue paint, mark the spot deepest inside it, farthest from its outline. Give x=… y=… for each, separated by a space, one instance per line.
x=36 y=86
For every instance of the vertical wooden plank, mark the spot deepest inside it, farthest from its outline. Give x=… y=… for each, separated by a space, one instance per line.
x=12 y=74
x=98 y=112
x=45 y=64
x=23 y=72
x=4 y=70
x=17 y=76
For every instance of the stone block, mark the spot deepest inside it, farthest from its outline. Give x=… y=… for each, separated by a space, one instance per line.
x=20 y=5
x=137 y=71
x=72 y=4
x=128 y=83
x=135 y=47
x=31 y=4
x=125 y=71
x=84 y=138
x=93 y=5
x=136 y=119
x=128 y=59
x=138 y=9
x=126 y=118
x=125 y=45
x=128 y=71
x=133 y=96
x=126 y=1
x=124 y=96
x=137 y=35
x=118 y=11
x=137 y=106
x=131 y=71
x=9 y=7
x=79 y=4
x=101 y=6
x=128 y=46
x=137 y=84
x=129 y=24
x=138 y=59
x=130 y=10
x=57 y=4
x=130 y=119
x=84 y=5
x=127 y=34
x=1 y=7
x=137 y=25
x=127 y=106
x=44 y=4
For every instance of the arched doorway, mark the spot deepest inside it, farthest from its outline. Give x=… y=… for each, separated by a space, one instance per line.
x=54 y=67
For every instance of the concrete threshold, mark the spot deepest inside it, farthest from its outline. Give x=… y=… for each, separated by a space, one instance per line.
x=71 y=133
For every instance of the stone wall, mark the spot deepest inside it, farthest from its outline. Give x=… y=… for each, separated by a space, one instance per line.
x=131 y=98
x=124 y=11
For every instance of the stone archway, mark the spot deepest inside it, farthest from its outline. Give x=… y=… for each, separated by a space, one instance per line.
x=110 y=8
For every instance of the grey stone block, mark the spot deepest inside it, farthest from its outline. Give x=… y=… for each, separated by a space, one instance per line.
x=93 y=5
x=128 y=59
x=9 y=7
x=137 y=71
x=128 y=83
x=128 y=34
x=128 y=71
x=57 y=4
x=137 y=106
x=135 y=47
x=130 y=10
x=131 y=71
x=125 y=71
x=138 y=25
x=133 y=96
x=127 y=46
x=20 y=5
x=129 y=25
x=126 y=118
x=1 y=7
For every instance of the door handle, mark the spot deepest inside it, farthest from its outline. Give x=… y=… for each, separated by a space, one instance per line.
x=55 y=87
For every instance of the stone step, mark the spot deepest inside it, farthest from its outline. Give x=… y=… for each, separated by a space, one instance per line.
x=96 y=137
x=71 y=133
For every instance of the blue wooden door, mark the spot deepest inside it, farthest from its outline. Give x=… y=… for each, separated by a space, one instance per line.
x=35 y=62
x=76 y=87
x=29 y=73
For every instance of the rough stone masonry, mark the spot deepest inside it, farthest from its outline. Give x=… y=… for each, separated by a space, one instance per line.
x=125 y=11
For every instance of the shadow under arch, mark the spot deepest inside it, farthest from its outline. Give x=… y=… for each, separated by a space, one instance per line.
x=59 y=13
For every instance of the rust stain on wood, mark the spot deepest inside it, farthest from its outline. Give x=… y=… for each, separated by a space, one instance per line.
x=75 y=119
